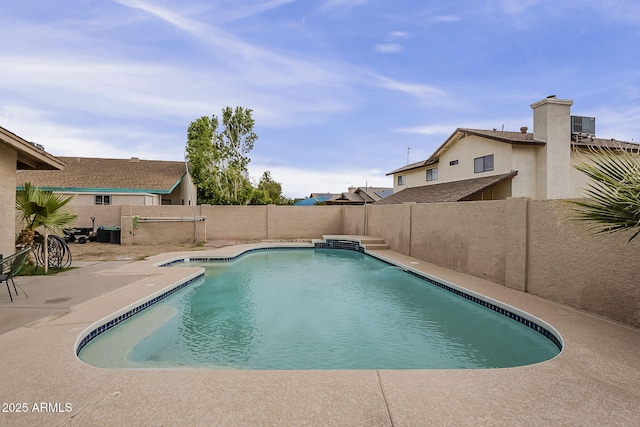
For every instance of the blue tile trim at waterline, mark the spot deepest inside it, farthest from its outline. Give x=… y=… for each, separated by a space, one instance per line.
x=500 y=310
x=110 y=324
x=329 y=244
x=235 y=257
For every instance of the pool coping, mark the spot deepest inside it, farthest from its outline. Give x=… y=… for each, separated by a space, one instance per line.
x=594 y=381
x=345 y=243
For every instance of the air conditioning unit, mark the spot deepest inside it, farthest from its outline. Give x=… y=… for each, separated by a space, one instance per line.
x=583 y=125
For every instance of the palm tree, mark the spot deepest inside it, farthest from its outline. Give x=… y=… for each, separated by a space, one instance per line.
x=613 y=196
x=39 y=208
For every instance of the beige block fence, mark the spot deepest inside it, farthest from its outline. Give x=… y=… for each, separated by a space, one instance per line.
x=524 y=244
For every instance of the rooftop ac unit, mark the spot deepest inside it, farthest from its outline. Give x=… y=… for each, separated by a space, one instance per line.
x=583 y=125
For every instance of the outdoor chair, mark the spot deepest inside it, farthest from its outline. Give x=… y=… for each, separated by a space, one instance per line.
x=11 y=266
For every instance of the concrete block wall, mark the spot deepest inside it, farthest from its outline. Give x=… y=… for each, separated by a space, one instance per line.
x=525 y=244
x=570 y=264
x=528 y=245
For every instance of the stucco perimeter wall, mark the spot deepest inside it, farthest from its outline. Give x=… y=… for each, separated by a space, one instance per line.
x=393 y=224
x=232 y=222
x=464 y=236
x=303 y=222
x=145 y=225
x=235 y=222
x=569 y=264
x=271 y=222
x=525 y=244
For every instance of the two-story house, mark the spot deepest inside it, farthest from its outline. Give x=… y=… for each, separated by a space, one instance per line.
x=475 y=164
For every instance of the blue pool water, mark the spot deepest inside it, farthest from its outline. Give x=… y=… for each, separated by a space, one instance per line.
x=315 y=309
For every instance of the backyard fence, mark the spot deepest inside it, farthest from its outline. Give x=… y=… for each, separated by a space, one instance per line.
x=524 y=244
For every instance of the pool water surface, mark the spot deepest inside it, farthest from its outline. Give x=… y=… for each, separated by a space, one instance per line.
x=315 y=309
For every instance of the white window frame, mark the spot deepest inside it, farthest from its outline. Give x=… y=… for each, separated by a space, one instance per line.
x=432 y=174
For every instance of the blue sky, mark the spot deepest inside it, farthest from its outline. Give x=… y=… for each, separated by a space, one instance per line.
x=341 y=89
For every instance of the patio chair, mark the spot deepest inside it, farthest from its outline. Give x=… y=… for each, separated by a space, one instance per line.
x=11 y=266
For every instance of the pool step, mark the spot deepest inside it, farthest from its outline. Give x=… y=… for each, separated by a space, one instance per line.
x=368 y=243
x=374 y=246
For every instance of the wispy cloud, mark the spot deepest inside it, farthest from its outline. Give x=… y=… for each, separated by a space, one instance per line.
x=515 y=7
x=439 y=129
x=388 y=48
x=447 y=18
x=422 y=91
x=335 y=4
x=398 y=34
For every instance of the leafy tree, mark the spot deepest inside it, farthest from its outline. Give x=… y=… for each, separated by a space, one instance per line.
x=219 y=159
x=613 y=196
x=268 y=192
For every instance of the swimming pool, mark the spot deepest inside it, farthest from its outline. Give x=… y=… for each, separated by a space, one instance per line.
x=319 y=309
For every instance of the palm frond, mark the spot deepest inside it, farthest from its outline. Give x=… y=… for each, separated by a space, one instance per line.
x=613 y=195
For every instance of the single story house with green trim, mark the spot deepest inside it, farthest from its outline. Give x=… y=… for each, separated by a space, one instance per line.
x=97 y=181
x=16 y=153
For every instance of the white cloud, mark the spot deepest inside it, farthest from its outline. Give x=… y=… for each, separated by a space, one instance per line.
x=425 y=92
x=388 y=48
x=399 y=34
x=63 y=139
x=428 y=129
x=447 y=18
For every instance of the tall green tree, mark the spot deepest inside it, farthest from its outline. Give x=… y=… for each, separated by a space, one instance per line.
x=220 y=159
x=613 y=195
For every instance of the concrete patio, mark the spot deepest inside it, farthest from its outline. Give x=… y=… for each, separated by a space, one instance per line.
x=595 y=381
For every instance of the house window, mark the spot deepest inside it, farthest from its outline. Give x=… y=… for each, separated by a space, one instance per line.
x=401 y=180
x=483 y=164
x=103 y=200
x=453 y=162
x=432 y=174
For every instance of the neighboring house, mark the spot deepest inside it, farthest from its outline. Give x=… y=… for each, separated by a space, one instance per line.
x=361 y=196
x=136 y=182
x=16 y=153
x=315 y=198
x=475 y=164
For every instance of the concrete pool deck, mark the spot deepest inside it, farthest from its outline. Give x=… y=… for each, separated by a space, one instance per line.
x=594 y=381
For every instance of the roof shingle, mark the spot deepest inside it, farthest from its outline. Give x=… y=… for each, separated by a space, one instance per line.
x=445 y=192
x=108 y=174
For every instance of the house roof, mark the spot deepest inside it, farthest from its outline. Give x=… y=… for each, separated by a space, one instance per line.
x=82 y=174
x=361 y=195
x=447 y=191
x=514 y=138
x=30 y=155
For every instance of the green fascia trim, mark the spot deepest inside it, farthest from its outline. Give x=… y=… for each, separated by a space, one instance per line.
x=102 y=190
x=177 y=183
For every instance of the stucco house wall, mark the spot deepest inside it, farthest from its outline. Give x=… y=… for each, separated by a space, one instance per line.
x=8 y=160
